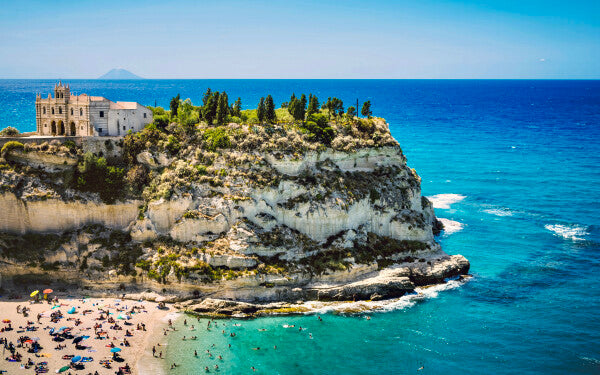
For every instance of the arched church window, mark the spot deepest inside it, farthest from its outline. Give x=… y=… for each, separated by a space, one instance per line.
x=52 y=110
x=44 y=110
x=60 y=110
x=80 y=111
x=71 y=111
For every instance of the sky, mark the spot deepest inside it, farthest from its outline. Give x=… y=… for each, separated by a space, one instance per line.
x=302 y=39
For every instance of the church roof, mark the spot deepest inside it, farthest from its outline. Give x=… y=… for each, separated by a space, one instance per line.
x=124 y=105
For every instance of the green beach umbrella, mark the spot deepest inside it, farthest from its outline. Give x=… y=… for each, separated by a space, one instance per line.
x=62 y=369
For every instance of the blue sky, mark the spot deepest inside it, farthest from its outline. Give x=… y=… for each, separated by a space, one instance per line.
x=301 y=39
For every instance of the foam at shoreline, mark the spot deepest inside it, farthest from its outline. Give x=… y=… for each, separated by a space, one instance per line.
x=443 y=201
x=406 y=301
x=451 y=226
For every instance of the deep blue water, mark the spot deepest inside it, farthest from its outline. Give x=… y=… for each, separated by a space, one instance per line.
x=523 y=154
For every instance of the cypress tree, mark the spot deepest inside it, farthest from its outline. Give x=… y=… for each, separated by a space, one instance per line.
x=260 y=111
x=207 y=95
x=174 y=105
x=270 y=116
x=209 y=110
x=237 y=108
x=292 y=105
x=366 y=109
x=302 y=109
x=222 y=109
x=313 y=105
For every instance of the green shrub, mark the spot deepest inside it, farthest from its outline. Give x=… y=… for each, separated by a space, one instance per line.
x=11 y=145
x=216 y=138
x=9 y=131
x=95 y=175
x=173 y=145
x=71 y=145
x=318 y=129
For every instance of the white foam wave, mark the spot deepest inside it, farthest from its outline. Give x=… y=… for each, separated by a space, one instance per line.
x=451 y=226
x=403 y=302
x=499 y=212
x=570 y=232
x=444 y=201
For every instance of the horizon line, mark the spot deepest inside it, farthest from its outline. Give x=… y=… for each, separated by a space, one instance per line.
x=354 y=79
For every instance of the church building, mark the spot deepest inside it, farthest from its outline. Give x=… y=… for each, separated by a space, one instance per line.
x=85 y=116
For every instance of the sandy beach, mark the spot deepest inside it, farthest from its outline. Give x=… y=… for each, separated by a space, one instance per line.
x=101 y=325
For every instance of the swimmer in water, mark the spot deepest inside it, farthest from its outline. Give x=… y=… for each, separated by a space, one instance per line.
x=195 y=353
x=257 y=348
x=206 y=369
x=253 y=369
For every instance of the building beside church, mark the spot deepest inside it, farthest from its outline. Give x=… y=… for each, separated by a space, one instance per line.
x=87 y=116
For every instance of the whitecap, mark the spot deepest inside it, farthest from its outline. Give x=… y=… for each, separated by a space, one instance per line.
x=570 y=232
x=444 y=201
x=451 y=226
x=499 y=212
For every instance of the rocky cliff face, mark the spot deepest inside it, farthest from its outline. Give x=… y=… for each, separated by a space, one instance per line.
x=235 y=223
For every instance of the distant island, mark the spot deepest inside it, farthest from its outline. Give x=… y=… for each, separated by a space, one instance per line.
x=119 y=74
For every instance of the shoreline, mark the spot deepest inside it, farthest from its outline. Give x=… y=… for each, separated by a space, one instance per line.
x=147 y=363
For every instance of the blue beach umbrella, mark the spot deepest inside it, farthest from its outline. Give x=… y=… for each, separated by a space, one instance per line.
x=77 y=358
x=115 y=350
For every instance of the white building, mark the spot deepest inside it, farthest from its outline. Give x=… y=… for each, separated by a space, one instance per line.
x=84 y=115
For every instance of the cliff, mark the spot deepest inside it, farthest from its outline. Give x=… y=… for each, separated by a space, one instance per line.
x=238 y=212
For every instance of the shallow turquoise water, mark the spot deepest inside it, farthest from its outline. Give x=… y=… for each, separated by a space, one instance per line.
x=523 y=154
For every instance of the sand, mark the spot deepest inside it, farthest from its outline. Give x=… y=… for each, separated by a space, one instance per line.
x=140 y=341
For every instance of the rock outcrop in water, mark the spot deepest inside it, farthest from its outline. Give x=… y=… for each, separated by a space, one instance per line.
x=238 y=212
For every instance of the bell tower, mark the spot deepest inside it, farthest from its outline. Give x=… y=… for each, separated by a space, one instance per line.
x=62 y=93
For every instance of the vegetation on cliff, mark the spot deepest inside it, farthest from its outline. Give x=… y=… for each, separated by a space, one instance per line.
x=224 y=159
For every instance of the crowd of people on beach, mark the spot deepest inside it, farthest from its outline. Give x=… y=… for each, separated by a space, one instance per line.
x=61 y=322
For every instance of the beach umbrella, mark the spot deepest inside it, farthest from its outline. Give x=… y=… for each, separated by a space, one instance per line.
x=34 y=293
x=85 y=337
x=62 y=369
x=6 y=321
x=77 y=358
x=62 y=328
x=115 y=350
x=77 y=340
x=71 y=310
x=47 y=291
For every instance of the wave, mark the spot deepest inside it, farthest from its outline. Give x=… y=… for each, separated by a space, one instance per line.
x=499 y=212
x=361 y=307
x=570 y=232
x=451 y=226
x=444 y=201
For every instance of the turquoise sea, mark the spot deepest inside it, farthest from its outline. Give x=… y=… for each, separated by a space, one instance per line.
x=515 y=170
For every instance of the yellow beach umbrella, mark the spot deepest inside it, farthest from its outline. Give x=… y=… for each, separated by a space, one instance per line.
x=34 y=293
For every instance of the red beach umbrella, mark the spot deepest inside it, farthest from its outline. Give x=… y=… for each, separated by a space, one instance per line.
x=6 y=321
x=47 y=291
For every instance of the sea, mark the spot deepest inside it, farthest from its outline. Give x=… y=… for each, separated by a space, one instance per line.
x=513 y=170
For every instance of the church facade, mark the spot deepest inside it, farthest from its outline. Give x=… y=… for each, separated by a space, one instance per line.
x=87 y=116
